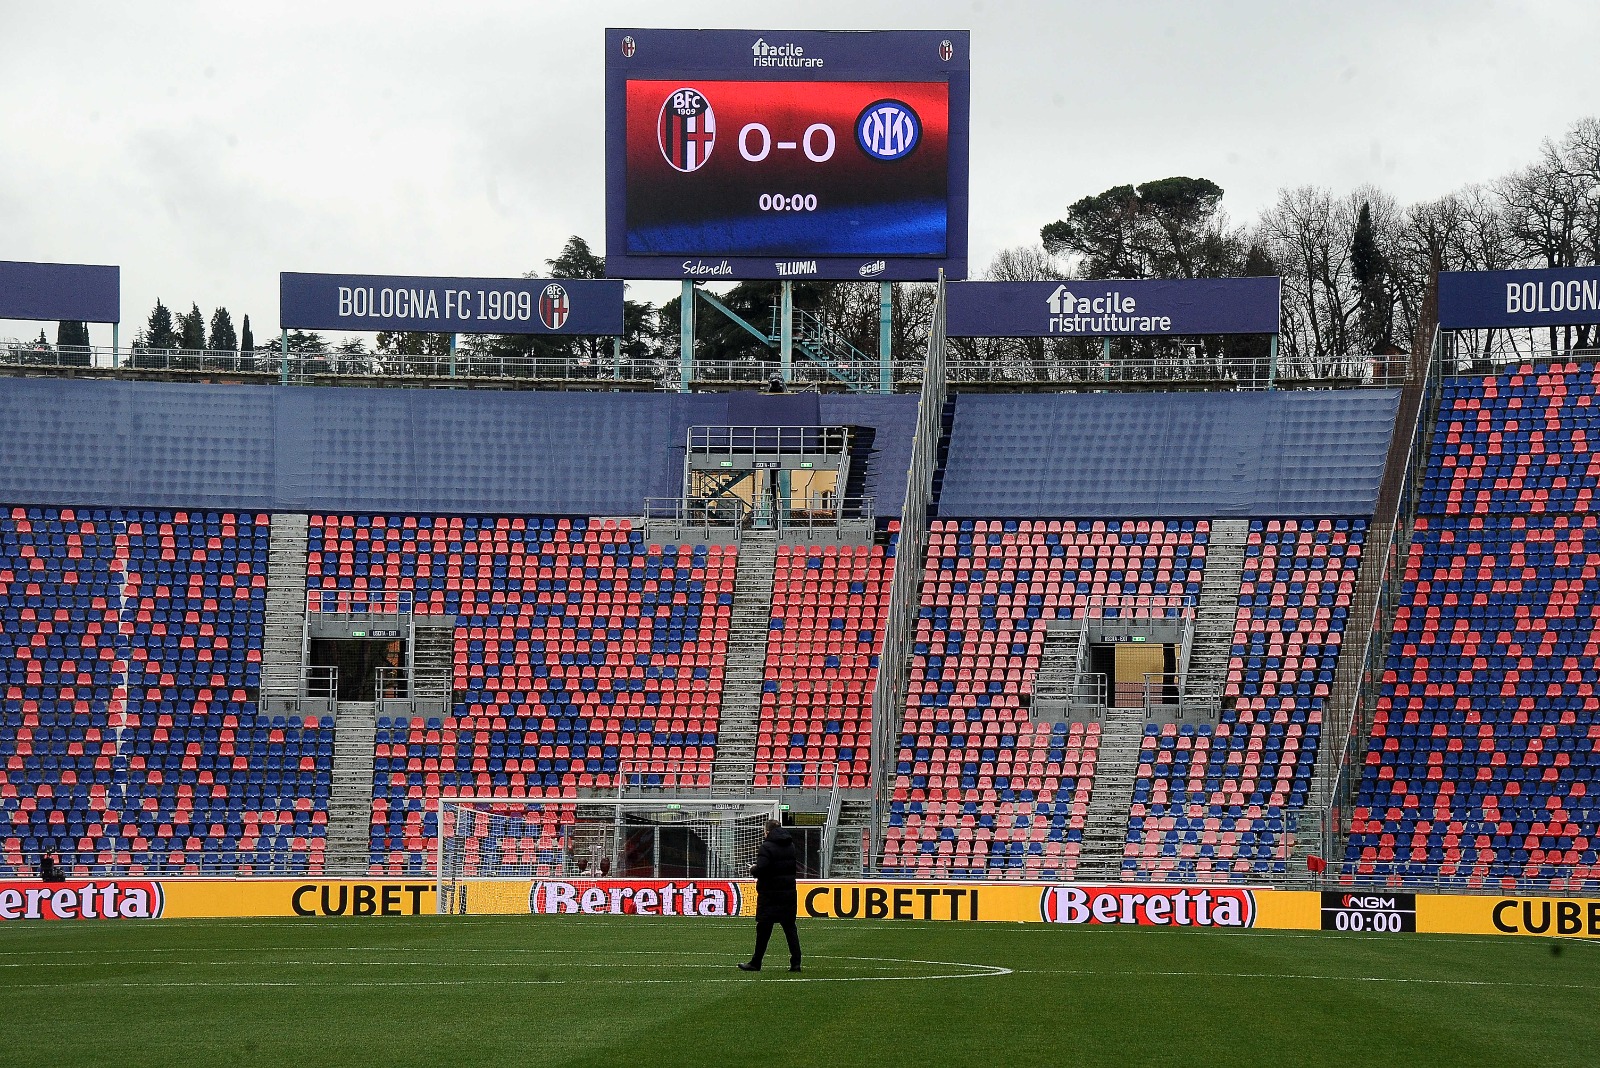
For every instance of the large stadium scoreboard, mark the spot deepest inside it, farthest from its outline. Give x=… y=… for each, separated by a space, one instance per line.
x=735 y=154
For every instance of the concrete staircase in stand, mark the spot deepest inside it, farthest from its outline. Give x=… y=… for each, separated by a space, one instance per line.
x=1218 y=609
x=1106 y=823
x=282 y=644
x=350 y=802
x=855 y=816
x=1054 y=685
x=740 y=719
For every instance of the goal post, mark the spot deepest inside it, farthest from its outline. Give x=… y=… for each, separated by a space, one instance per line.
x=495 y=852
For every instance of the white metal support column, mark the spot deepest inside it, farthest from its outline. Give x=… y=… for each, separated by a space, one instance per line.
x=686 y=311
x=786 y=332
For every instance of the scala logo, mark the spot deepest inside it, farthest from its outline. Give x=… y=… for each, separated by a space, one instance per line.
x=642 y=897
x=686 y=129
x=109 y=900
x=1149 y=906
x=628 y=48
x=888 y=130
x=554 y=306
x=873 y=269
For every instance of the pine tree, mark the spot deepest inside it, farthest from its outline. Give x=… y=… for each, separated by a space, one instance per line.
x=192 y=329
x=1370 y=271
x=247 y=341
x=158 y=333
x=222 y=337
x=72 y=342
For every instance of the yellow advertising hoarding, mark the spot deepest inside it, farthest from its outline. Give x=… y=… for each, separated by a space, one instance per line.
x=1210 y=907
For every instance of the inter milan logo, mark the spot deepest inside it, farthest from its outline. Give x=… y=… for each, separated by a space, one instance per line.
x=888 y=130
x=946 y=50
x=628 y=48
x=554 y=306
x=686 y=130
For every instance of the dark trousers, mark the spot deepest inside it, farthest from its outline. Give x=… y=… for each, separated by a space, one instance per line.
x=764 y=932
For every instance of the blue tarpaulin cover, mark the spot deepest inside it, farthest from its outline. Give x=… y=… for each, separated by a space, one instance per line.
x=1106 y=455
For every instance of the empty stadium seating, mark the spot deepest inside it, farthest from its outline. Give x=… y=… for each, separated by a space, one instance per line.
x=979 y=788
x=1210 y=802
x=822 y=662
x=582 y=653
x=131 y=649
x=1484 y=740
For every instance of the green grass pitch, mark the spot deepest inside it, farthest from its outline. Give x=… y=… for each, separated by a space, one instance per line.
x=598 y=991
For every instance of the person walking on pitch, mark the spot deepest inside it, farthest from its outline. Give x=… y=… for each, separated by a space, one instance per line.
x=777 y=900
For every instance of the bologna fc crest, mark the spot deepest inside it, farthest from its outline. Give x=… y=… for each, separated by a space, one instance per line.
x=888 y=130
x=554 y=306
x=946 y=50
x=686 y=130
x=628 y=48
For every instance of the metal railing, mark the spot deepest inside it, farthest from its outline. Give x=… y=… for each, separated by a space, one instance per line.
x=706 y=518
x=1347 y=724
x=352 y=605
x=1001 y=368
x=320 y=683
x=753 y=441
x=905 y=590
x=271 y=364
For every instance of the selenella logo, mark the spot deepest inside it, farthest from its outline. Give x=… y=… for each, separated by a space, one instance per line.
x=700 y=268
x=873 y=269
x=780 y=55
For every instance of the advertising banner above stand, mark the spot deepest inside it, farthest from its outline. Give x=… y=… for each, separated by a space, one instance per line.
x=745 y=154
x=1478 y=300
x=573 y=306
x=1145 y=307
x=76 y=292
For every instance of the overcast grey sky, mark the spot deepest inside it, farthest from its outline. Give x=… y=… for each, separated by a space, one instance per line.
x=205 y=147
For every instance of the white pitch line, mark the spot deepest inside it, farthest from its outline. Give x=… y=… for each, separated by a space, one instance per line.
x=1301 y=975
x=975 y=971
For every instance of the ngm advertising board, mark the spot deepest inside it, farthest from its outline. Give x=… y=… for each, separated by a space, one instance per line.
x=737 y=154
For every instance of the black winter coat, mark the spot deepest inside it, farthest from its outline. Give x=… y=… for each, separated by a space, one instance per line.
x=775 y=870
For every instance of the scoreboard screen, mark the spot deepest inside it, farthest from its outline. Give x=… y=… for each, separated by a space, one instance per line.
x=1369 y=912
x=751 y=154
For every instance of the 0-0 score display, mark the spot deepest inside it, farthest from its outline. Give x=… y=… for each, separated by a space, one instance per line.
x=773 y=168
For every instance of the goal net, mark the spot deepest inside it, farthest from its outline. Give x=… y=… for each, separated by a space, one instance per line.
x=519 y=855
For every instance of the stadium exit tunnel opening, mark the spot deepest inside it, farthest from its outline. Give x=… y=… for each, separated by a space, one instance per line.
x=358 y=661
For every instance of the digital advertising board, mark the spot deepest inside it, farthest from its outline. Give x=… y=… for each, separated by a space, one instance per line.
x=1128 y=307
x=749 y=154
x=1557 y=296
x=82 y=292
x=576 y=307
